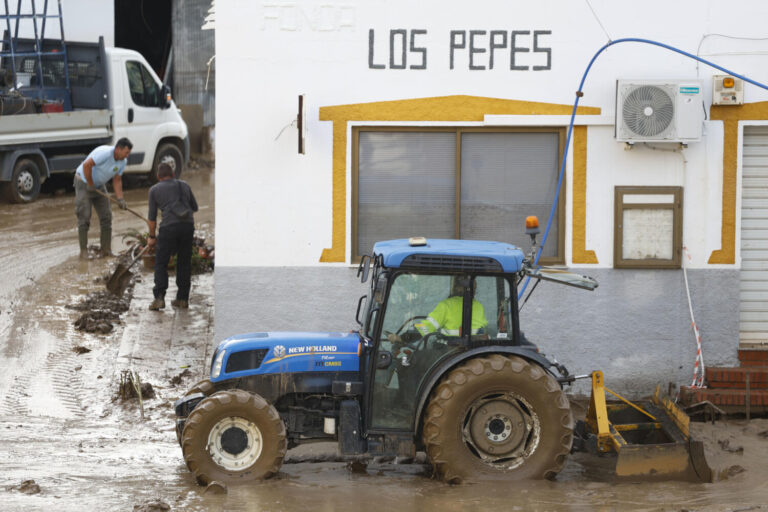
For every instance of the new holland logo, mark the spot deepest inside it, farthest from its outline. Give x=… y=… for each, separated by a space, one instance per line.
x=279 y=352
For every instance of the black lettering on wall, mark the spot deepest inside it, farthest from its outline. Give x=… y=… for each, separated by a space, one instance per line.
x=418 y=49
x=537 y=49
x=455 y=45
x=497 y=46
x=371 y=65
x=403 y=38
x=513 y=49
x=473 y=49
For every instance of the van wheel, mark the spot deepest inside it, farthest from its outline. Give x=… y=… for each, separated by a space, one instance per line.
x=24 y=186
x=167 y=154
x=497 y=417
x=233 y=436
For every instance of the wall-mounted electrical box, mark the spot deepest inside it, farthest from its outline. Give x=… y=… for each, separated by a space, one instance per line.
x=727 y=90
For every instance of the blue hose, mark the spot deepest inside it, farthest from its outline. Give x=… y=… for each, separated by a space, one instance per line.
x=579 y=94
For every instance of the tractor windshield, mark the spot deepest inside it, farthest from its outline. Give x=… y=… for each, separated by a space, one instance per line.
x=423 y=323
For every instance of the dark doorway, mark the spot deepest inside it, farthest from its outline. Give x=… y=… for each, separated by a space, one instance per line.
x=145 y=26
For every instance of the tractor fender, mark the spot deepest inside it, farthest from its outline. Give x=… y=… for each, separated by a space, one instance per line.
x=447 y=365
x=8 y=160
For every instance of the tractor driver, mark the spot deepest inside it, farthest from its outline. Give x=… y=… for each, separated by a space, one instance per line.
x=447 y=314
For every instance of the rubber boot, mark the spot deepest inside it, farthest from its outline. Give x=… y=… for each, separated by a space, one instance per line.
x=106 y=243
x=82 y=235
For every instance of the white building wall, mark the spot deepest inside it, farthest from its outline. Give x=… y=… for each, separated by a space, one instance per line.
x=288 y=48
x=275 y=207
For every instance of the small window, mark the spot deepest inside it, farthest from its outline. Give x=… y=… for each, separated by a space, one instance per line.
x=648 y=227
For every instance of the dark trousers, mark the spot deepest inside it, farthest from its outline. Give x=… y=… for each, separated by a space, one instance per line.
x=174 y=239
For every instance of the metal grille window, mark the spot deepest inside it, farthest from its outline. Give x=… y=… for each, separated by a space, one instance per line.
x=648 y=227
x=473 y=184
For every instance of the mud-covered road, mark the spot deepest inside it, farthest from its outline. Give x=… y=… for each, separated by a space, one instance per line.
x=62 y=425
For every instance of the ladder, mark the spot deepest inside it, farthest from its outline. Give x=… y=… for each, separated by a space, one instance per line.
x=45 y=60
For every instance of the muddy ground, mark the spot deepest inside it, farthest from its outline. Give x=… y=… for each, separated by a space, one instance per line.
x=62 y=426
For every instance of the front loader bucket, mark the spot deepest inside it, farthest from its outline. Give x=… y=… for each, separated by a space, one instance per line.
x=652 y=440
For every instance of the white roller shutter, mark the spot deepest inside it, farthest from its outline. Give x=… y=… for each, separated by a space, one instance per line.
x=753 y=291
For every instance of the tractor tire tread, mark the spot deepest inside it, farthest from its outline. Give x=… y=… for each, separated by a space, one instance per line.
x=453 y=383
x=222 y=399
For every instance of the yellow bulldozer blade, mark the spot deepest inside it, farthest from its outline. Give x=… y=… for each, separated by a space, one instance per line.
x=652 y=440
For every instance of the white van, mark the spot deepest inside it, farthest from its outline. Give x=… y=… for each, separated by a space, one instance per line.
x=112 y=93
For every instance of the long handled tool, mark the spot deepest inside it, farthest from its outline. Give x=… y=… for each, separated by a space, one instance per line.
x=128 y=209
x=118 y=281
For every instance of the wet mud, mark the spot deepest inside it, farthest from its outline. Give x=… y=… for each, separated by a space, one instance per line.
x=61 y=427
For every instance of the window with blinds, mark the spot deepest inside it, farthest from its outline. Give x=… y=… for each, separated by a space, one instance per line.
x=455 y=183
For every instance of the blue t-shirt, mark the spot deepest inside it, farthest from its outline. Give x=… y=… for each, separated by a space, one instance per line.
x=105 y=166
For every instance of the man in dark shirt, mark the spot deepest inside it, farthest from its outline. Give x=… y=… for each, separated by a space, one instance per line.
x=176 y=201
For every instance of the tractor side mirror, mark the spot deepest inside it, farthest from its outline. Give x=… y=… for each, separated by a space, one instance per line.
x=359 y=307
x=364 y=268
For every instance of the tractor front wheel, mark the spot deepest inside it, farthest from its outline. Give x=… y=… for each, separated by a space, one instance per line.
x=497 y=416
x=205 y=387
x=233 y=436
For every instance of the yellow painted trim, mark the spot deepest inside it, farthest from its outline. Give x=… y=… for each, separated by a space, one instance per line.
x=731 y=115
x=444 y=108
x=580 y=253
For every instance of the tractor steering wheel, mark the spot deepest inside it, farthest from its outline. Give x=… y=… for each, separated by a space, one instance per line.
x=405 y=324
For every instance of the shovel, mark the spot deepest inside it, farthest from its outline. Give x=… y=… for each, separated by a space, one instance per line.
x=118 y=281
x=128 y=209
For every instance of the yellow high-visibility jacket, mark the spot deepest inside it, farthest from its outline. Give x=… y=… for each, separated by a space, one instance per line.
x=447 y=317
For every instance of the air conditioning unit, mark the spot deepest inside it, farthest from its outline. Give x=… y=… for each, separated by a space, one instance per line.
x=659 y=111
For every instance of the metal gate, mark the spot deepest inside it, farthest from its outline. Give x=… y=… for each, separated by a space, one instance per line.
x=753 y=289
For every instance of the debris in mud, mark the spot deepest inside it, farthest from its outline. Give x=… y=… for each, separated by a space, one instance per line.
x=79 y=349
x=26 y=487
x=731 y=471
x=175 y=381
x=152 y=506
x=725 y=445
x=215 y=487
x=763 y=434
x=101 y=301
x=102 y=309
x=97 y=322
x=129 y=393
x=357 y=467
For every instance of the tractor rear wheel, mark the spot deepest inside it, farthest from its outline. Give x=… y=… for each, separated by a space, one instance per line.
x=233 y=436
x=497 y=416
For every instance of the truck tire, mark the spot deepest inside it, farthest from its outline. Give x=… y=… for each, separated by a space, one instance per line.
x=24 y=186
x=169 y=154
x=233 y=436
x=497 y=416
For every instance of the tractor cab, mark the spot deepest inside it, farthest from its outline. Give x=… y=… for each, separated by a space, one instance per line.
x=430 y=302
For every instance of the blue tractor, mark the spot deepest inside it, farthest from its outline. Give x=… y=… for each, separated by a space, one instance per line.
x=439 y=365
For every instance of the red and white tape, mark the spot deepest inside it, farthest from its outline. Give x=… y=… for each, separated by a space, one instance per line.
x=698 y=367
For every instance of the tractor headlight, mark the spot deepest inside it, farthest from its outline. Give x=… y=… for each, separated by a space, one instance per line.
x=216 y=370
